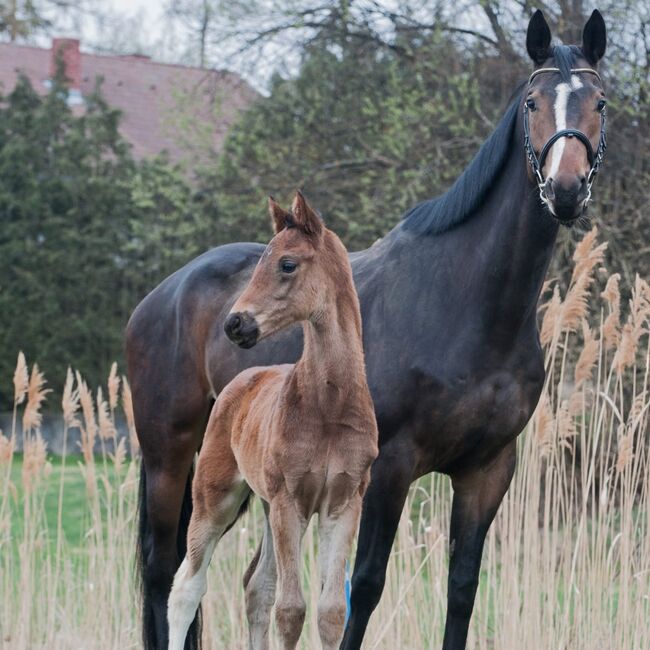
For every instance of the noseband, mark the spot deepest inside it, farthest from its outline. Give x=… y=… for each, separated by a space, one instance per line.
x=595 y=159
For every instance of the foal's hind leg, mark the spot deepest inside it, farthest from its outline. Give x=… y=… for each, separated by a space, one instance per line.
x=219 y=493
x=336 y=533
x=259 y=584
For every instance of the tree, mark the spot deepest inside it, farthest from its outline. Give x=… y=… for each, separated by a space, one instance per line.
x=381 y=106
x=86 y=232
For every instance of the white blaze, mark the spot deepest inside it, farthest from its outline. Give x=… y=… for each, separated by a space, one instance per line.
x=562 y=92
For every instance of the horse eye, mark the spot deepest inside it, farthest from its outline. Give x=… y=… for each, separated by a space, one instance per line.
x=530 y=102
x=287 y=266
x=601 y=105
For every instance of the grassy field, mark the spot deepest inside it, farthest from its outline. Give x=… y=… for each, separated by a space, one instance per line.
x=566 y=563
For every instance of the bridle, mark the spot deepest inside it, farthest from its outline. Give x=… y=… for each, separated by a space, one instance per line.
x=537 y=164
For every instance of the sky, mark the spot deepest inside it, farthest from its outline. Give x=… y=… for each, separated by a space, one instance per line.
x=151 y=9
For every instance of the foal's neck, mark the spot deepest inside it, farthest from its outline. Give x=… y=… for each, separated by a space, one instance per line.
x=333 y=348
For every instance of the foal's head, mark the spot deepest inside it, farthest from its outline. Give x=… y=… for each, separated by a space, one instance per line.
x=296 y=279
x=564 y=105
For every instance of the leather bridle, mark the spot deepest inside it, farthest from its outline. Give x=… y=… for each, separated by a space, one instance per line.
x=537 y=164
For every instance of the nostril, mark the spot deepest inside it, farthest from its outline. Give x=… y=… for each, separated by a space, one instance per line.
x=234 y=323
x=583 y=181
x=550 y=189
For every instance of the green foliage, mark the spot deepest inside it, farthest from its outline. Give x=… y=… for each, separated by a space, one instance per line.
x=372 y=124
x=86 y=232
x=364 y=131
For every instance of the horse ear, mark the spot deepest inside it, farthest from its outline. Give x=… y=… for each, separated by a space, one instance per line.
x=304 y=217
x=278 y=215
x=538 y=38
x=594 y=38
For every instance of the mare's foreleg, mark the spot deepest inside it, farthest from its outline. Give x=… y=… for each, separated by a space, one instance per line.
x=477 y=496
x=218 y=492
x=259 y=585
x=391 y=476
x=336 y=533
x=288 y=527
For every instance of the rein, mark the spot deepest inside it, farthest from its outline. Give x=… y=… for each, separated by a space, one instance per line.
x=595 y=159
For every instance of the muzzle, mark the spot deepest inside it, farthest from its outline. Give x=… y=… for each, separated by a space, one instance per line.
x=241 y=328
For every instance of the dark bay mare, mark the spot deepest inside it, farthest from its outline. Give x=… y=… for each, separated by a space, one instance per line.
x=448 y=300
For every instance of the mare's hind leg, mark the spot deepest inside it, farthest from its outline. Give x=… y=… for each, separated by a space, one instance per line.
x=477 y=496
x=336 y=533
x=259 y=585
x=165 y=483
x=219 y=493
x=391 y=476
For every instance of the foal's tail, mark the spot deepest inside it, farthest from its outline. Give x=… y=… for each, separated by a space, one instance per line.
x=149 y=635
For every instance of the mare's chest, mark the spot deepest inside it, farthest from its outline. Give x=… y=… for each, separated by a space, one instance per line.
x=462 y=413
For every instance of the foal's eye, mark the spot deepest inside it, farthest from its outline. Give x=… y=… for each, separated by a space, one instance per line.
x=600 y=107
x=287 y=266
x=530 y=102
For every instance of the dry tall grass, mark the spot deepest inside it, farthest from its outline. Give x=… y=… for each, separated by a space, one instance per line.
x=566 y=564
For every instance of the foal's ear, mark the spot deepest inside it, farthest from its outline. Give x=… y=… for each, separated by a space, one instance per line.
x=278 y=215
x=538 y=38
x=304 y=217
x=594 y=38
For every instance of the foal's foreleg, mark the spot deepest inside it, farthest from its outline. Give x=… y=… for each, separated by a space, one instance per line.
x=391 y=476
x=336 y=533
x=477 y=496
x=288 y=527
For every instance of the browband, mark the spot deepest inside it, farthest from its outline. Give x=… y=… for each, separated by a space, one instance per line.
x=573 y=71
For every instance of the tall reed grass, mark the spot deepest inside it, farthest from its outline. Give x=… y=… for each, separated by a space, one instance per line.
x=566 y=563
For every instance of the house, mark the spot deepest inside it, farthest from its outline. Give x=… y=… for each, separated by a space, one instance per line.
x=164 y=107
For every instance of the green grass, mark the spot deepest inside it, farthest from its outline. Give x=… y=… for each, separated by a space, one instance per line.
x=75 y=510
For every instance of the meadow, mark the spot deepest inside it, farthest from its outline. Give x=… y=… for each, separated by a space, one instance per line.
x=566 y=563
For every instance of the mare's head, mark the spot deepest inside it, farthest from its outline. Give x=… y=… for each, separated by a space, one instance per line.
x=296 y=279
x=564 y=115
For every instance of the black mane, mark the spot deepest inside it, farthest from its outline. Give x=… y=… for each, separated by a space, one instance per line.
x=462 y=199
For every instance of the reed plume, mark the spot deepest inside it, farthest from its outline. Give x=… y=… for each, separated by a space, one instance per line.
x=70 y=401
x=113 y=387
x=588 y=355
x=106 y=427
x=36 y=395
x=21 y=379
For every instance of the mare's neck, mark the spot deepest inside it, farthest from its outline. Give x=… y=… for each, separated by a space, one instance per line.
x=491 y=267
x=518 y=236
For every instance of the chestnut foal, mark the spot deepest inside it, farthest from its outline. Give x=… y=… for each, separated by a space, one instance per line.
x=301 y=436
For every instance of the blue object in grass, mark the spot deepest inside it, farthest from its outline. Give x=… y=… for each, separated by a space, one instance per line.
x=347 y=591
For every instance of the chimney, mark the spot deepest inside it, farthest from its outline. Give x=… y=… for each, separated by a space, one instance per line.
x=68 y=48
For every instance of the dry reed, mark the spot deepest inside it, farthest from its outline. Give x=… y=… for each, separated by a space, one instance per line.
x=566 y=563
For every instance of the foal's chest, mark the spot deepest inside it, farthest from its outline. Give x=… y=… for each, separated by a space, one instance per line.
x=323 y=471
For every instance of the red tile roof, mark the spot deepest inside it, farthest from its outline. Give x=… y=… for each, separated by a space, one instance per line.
x=163 y=106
